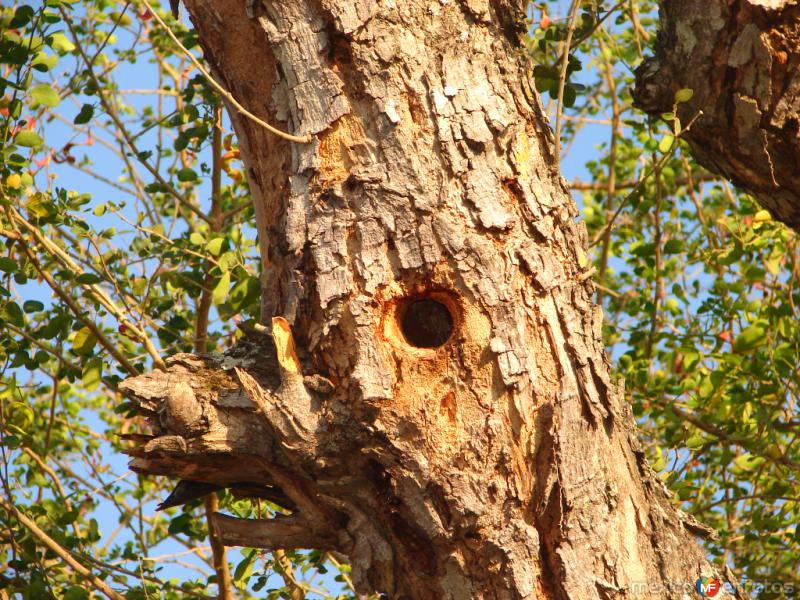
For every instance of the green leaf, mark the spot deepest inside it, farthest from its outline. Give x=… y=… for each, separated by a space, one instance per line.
x=15 y=108
x=126 y=408
x=32 y=306
x=45 y=95
x=52 y=327
x=154 y=188
x=84 y=342
x=88 y=279
x=11 y=441
x=706 y=388
x=243 y=570
x=220 y=293
x=244 y=293
x=139 y=285
x=683 y=95
x=570 y=95
x=84 y=115
x=762 y=216
x=44 y=62
x=665 y=145
x=25 y=415
x=186 y=175
x=39 y=205
x=546 y=72
x=543 y=84
x=182 y=523
x=76 y=593
x=659 y=460
x=695 y=442
x=22 y=16
x=28 y=139
x=13 y=313
x=228 y=261
x=773 y=263
x=8 y=265
x=747 y=462
x=750 y=338
x=197 y=239
x=92 y=373
x=99 y=210
x=215 y=246
x=673 y=246
x=731 y=255
x=60 y=43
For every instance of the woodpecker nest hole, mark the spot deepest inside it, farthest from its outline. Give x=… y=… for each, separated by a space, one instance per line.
x=424 y=321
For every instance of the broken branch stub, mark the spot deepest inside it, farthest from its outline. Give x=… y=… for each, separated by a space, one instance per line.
x=263 y=437
x=221 y=419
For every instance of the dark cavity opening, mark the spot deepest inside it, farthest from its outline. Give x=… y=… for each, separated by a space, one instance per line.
x=426 y=323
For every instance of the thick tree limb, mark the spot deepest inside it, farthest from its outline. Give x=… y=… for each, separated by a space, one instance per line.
x=742 y=60
x=279 y=533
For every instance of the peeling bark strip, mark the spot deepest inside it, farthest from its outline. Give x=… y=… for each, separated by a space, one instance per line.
x=742 y=59
x=453 y=428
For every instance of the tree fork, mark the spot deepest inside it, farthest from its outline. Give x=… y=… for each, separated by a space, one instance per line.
x=448 y=420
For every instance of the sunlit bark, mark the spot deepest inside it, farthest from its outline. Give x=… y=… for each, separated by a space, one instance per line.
x=448 y=421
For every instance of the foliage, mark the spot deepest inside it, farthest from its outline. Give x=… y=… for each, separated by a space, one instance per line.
x=701 y=297
x=126 y=235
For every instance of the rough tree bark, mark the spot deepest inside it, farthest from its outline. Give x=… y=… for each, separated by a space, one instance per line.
x=741 y=59
x=447 y=421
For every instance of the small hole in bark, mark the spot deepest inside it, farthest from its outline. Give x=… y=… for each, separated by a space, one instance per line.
x=426 y=323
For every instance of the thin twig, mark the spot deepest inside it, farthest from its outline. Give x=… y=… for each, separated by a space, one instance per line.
x=220 y=561
x=112 y=113
x=76 y=310
x=642 y=181
x=688 y=182
x=611 y=190
x=95 y=291
x=562 y=77
x=657 y=278
x=44 y=346
x=61 y=552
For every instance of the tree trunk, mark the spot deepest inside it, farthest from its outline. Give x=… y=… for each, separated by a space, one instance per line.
x=742 y=60
x=448 y=421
